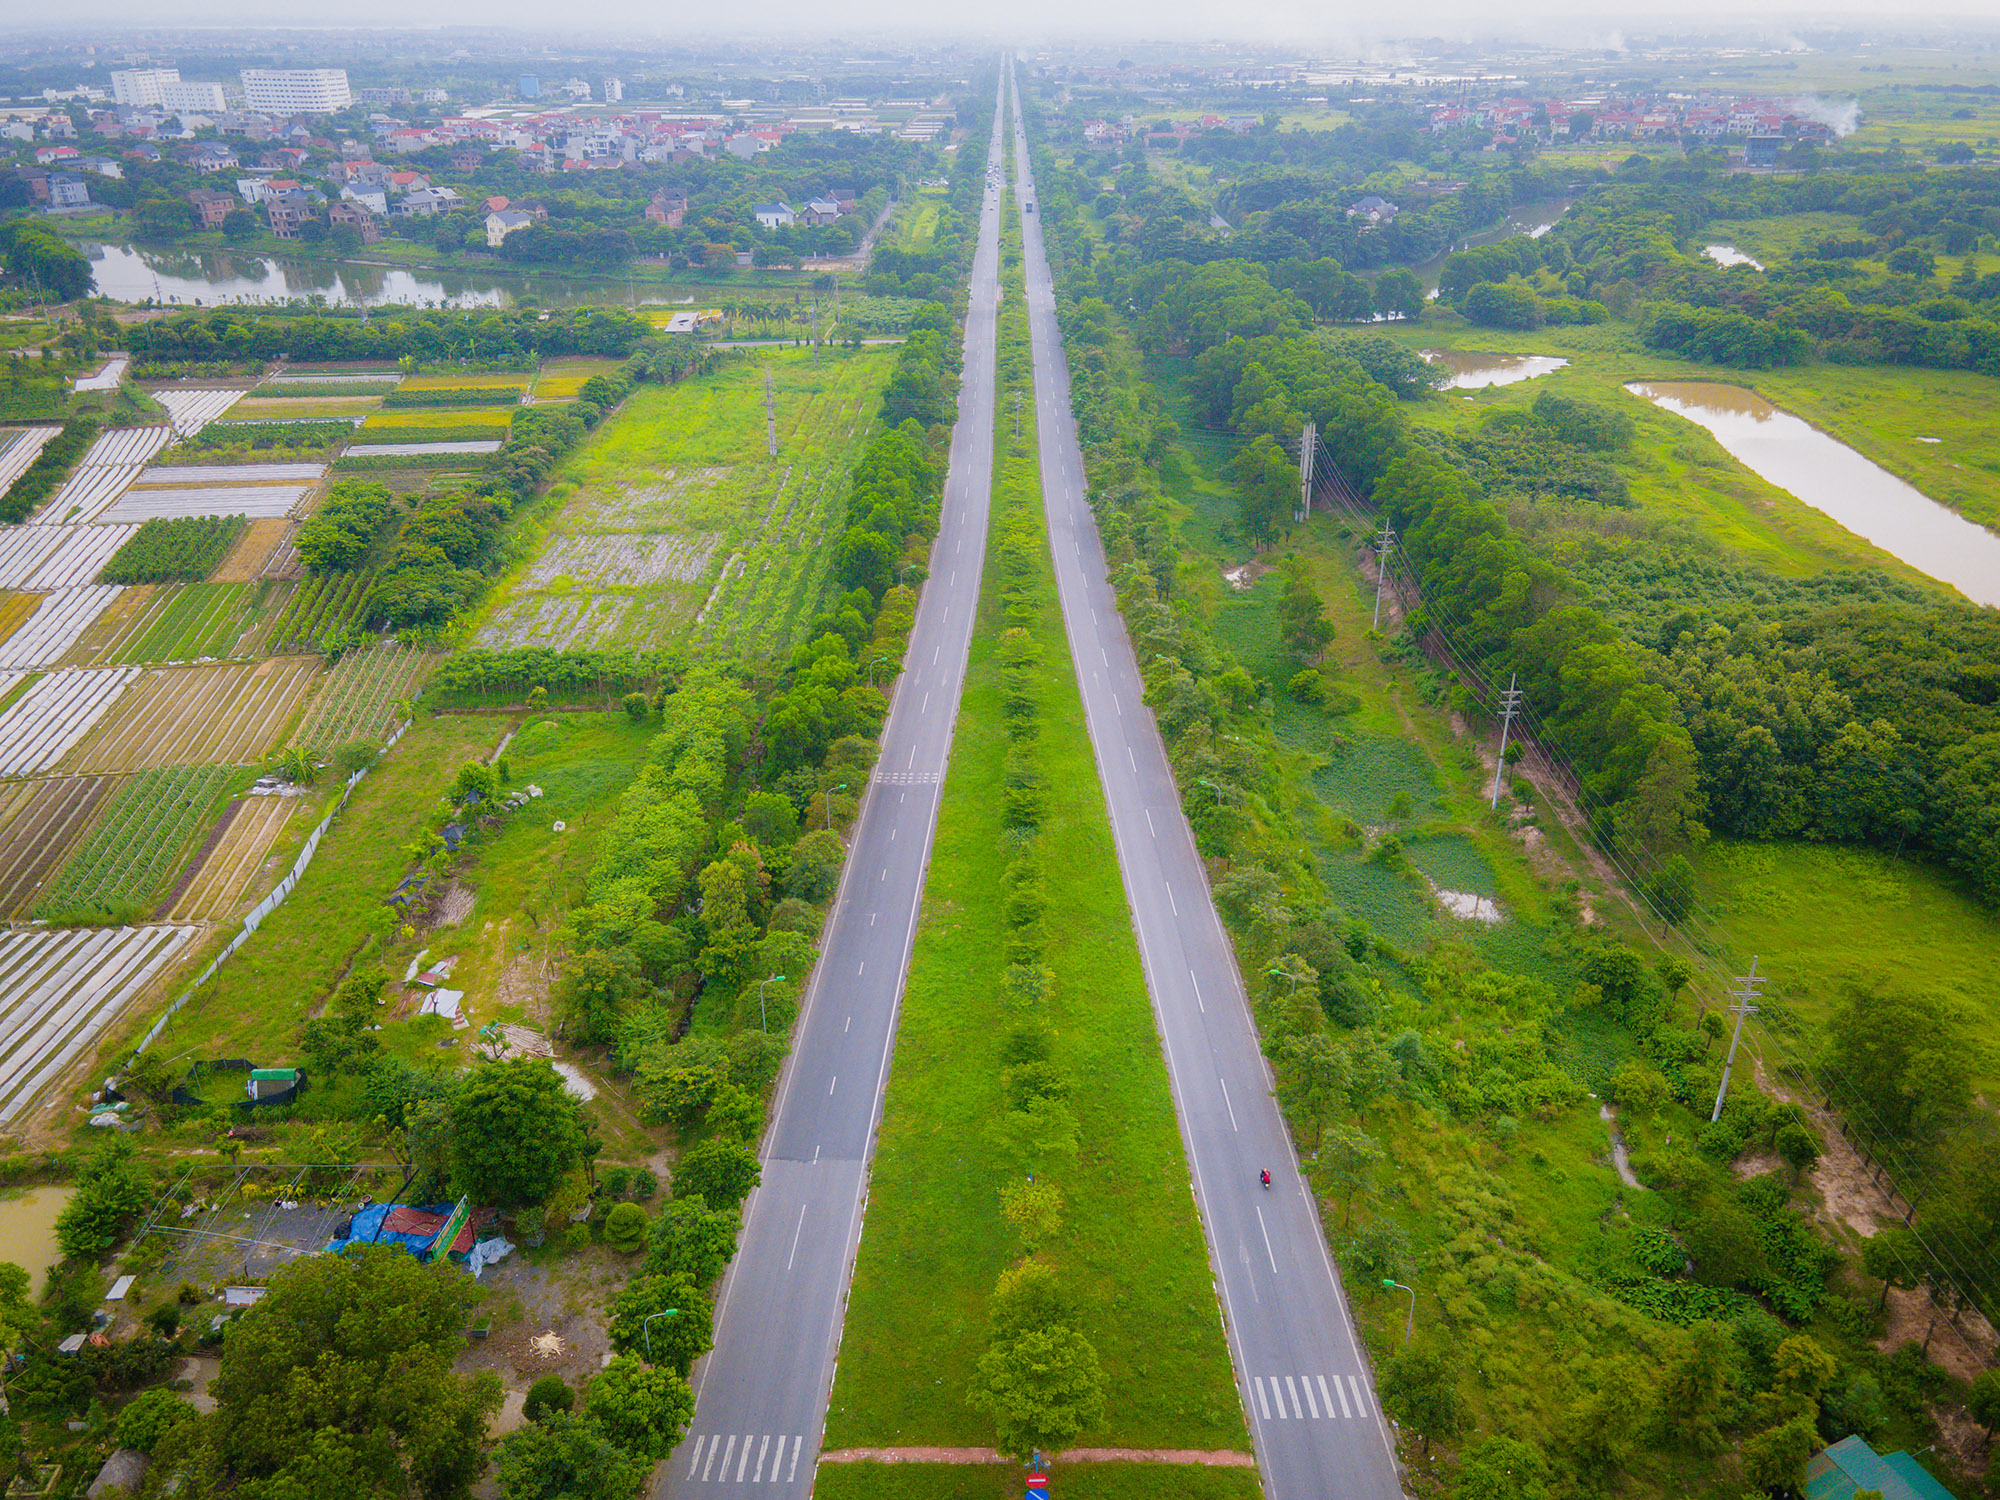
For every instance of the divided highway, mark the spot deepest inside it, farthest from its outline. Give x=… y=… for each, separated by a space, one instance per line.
x=1310 y=1396
x=762 y=1391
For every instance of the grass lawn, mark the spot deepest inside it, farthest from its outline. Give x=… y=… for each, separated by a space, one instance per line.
x=994 y=1481
x=1824 y=917
x=1130 y=1253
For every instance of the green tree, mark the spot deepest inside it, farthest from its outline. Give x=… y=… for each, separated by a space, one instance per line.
x=563 y=1457
x=692 y=1239
x=1775 y=1459
x=149 y=1417
x=675 y=1342
x=1907 y=1062
x=1267 y=488
x=110 y=1191
x=1797 y=1146
x=1313 y=1075
x=625 y=1228
x=18 y=1318
x=1418 y=1383
x=1500 y=1468
x=1347 y=1162
x=721 y=1172
x=1042 y=1130
x=1602 y=1423
x=1693 y=1390
x=1982 y=1401
x=516 y=1133
x=816 y=860
x=642 y=1408
x=345 y=1367
x=548 y=1394
x=1042 y=1389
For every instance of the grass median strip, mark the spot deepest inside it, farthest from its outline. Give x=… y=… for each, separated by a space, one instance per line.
x=1129 y=1253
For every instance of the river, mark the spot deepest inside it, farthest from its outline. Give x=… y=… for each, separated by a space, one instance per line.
x=1834 y=479
x=210 y=277
x=1470 y=370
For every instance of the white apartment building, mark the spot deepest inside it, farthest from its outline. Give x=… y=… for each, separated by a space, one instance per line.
x=296 y=91
x=614 y=90
x=192 y=98
x=136 y=88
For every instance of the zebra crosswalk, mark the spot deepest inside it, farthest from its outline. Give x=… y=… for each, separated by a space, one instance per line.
x=744 y=1458
x=1308 y=1398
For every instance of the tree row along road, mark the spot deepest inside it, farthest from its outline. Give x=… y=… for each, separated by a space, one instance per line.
x=761 y=1393
x=1307 y=1387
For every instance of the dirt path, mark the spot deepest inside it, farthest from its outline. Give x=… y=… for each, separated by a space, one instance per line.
x=1218 y=1458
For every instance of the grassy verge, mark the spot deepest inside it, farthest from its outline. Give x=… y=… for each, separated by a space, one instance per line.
x=1130 y=1253
x=1123 y=1481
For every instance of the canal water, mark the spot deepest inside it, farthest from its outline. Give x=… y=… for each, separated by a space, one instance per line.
x=1534 y=219
x=1470 y=370
x=1831 y=477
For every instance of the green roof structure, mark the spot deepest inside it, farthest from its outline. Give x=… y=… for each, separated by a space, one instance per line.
x=1850 y=1465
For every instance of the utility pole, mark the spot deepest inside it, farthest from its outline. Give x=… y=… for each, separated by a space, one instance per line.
x=1383 y=544
x=1745 y=995
x=1308 y=450
x=770 y=418
x=1510 y=704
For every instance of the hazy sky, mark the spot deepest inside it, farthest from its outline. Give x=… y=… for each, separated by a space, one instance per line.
x=1579 y=22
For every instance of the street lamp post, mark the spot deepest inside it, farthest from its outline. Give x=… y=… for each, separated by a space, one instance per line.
x=1285 y=974
x=645 y=1327
x=1411 y=1322
x=871 y=668
x=1204 y=781
x=762 y=1019
x=829 y=803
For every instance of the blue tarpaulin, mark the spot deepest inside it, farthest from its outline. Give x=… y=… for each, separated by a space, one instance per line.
x=370 y=1226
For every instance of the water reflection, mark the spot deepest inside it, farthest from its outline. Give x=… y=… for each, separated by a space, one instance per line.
x=220 y=277
x=1472 y=370
x=1729 y=255
x=1534 y=219
x=28 y=1230
x=1832 y=478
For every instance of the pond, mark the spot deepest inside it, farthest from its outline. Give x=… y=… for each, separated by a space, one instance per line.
x=28 y=1230
x=212 y=277
x=1729 y=255
x=1832 y=478
x=1470 y=370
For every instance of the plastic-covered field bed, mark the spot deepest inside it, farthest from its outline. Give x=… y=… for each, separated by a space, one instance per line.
x=207 y=500
x=20 y=447
x=193 y=410
x=40 y=821
x=216 y=884
x=56 y=557
x=166 y=474
x=58 y=990
x=56 y=712
x=47 y=634
x=198 y=716
x=110 y=465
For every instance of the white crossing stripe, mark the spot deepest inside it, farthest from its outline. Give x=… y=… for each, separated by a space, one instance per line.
x=1360 y=1401
x=743 y=1463
x=1278 y=1399
x=1263 y=1406
x=716 y=1457
x=1312 y=1406
x=1329 y=1399
x=793 y=1473
x=764 y=1447
x=695 y=1462
x=1294 y=1390
x=725 y=1457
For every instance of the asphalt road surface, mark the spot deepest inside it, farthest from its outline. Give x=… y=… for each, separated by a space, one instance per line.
x=1310 y=1396
x=762 y=1391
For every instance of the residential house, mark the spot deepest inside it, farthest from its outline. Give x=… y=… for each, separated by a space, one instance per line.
x=668 y=207
x=370 y=174
x=16 y=130
x=408 y=182
x=773 y=215
x=1373 y=208
x=212 y=156
x=102 y=166
x=66 y=191
x=56 y=156
x=497 y=202
x=371 y=198
x=349 y=211
x=503 y=222
x=428 y=202
x=288 y=209
x=467 y=160
x=820 y=211
x=844 y=197
x=746 y=145
x=149 y=155
x=537 y=157
x=37 y=182
x=211 y=207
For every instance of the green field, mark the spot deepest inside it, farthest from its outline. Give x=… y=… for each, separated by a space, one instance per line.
x=139 y=839
x=1130 y=1253
x=190 y=621
x=1123 y=1481
x=320 y=607
x=675 y=525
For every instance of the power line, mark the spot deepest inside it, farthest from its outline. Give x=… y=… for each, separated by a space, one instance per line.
x=1745 y=994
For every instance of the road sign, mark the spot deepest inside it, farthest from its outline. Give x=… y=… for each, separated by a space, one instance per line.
x=1038 y=1487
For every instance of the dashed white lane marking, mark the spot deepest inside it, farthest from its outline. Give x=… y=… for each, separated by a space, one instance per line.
x=836 y=1078
x=1265 y=1231
x=1227 y=1105
x=797 y=1230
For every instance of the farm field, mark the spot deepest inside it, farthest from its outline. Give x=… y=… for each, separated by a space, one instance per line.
x=46 y=636
x=141 y=834
x=181 y=623
x=317 y=608
x=253 y=551
x=39 y=823
x=561 y=379
x=54 y=557
x=255 y=1003
x=420 y=425
x=676 y=524
x=19 y=447
x=193 y=410
x=356 y=698
x=215 y=882
x=58 y=709
x=137 y=504
x=60 y=990
x=197 y=715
